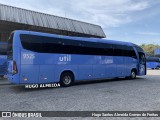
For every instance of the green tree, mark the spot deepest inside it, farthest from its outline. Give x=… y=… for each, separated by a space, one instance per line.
x=149 y=48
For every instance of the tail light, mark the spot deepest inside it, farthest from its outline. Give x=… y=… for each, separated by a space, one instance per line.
x=15 y=70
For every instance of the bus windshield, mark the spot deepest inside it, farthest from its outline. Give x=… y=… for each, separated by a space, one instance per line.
x=142 y=58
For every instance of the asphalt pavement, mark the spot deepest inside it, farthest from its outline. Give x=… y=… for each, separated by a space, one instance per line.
x=141 y=94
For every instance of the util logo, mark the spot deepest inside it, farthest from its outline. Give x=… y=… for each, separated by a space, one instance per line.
x=66 y=58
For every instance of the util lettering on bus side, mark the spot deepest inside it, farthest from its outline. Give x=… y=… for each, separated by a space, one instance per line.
x=66 y=58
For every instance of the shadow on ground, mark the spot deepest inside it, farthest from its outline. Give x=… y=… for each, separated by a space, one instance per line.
x=21 y=88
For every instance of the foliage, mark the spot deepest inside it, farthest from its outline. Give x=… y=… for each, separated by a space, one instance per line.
x=149 y=48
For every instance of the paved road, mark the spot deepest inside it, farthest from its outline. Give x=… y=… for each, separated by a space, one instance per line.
x=140 y=94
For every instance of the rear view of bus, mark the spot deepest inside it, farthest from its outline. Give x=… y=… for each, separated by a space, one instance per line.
x=3 y=58
x=12 y=59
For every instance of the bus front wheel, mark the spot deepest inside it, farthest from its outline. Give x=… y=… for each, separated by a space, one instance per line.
x=133 y=74
x=66 y=79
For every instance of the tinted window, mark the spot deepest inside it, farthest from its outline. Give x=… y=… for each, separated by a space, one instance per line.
x=118 y=50
x=131 y=52
x=44 y=44
x=10 y=47
x=3 y=49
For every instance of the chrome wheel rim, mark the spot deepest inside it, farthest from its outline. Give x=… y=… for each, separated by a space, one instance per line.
x=133 y=74
x=67 y=80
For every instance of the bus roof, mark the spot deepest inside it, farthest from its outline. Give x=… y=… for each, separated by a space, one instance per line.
x=75 y=38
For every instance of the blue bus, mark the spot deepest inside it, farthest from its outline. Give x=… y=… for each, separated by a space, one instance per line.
x=36 y=58
x=157 y=52
x=153 y=62
x=3 y=58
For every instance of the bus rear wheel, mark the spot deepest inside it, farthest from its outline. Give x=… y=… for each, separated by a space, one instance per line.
x=66 y=79
x=1 y=76
x=133 y=74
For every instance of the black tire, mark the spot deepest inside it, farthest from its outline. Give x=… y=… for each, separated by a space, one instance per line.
x=1 y=76
x=66 y=79
x=126 y=78
x=133 y=74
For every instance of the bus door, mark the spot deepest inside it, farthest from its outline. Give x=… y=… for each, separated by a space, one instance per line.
x=142 y=64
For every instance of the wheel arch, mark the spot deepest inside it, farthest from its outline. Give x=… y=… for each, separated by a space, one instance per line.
x=134 y=69
x=68 y=71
